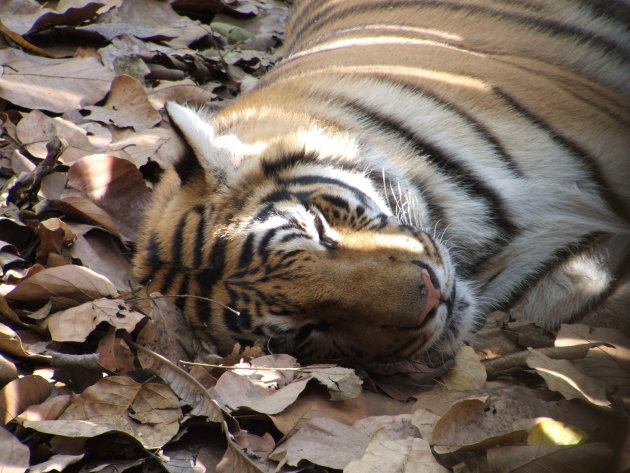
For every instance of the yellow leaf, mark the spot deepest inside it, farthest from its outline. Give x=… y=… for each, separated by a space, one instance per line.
x=554 y=432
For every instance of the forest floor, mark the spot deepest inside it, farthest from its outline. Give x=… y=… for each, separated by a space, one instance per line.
x=95 y=374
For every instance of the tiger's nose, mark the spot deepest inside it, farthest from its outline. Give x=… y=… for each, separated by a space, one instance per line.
x=430 y=293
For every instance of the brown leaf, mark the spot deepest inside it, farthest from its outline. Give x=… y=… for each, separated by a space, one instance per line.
x=11 y=343
x=191 y=391
x=167 y=332
x=76 y=323
x=323 y=441
x=50 y=409
x=15 y=455
x=468 y=374
x=584 y=458
x=72 y=282
x=20 y=393
x=127 y=106
x=56 y=463
x=86 y=211
x=101 y=252
x=237 y=391
x=148 y=412
x=54 y=236
x=608 y=364
x=28 y=80
x=114 y=353
x=471 y=424
x=563 y=376
x=406 y=455
x=116 y=186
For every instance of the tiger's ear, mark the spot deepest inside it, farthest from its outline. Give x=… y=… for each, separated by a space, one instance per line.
x=207 y=155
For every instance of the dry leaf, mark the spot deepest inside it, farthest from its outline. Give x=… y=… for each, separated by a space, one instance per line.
x=56 y=463
x=72 y=282
x=15 y=455
x=563 y=376
x=50 y=409
x=116 y=186
x=342 y=383
x=236 y=392
x=86 y=211
x=20 y=393
x=11 y=343
x=406 y=455
x=468 y=373
x=585 y=458
x=75 y=324
x=148 y=412
x=127 y=106
x=30 y=81
x=323 y=441
x=608 y=364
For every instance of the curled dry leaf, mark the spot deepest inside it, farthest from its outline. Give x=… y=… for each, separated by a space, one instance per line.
x=10 y=343
x=568 y=380
x=20 y=393
x=608 y=363
x=28 y=81
x=56 y=463
x=468 y=373
x=84 y=210
x=15 y=455
x=116 y=186
x=114 y=353
x=50 y=409
x=76 y=323
x=342 y=383
x=236 y=391
x=148 y=412
x=71 y=282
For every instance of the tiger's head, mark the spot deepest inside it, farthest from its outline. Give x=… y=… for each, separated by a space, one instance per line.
x=281 y=245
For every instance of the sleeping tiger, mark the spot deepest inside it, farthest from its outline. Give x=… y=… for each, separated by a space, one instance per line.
x=409 y=167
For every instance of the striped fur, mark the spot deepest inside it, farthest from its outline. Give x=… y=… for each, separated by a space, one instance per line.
x=409 y=167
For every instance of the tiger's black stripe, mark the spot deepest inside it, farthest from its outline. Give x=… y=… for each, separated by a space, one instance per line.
x=580 y=154
x=322 y=19
x=199 y=236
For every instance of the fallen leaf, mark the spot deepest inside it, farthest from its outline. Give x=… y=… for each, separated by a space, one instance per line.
x=468 y=373
x=114 y=353
x=342 y=383
x=52 y=84
x=84 y=210
x=323 y=441
x=56 y=463
x=116 y=186
x=11 y=343
x=76 y=323
x=20 y=393
x=15 y=455
x=407 y=455
x=236 y=392
x=50 y=409
x=585 y=458
x=148 y=412
x=563 y=376
x=608 y=364
x=553 y=432
x=127 y=105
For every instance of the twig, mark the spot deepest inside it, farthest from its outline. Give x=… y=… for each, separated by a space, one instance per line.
x=518 y=360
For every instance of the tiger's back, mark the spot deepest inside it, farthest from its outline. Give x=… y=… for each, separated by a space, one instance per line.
x=485 y=144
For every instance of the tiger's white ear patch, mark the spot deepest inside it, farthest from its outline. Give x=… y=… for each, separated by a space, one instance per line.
x=216 y=154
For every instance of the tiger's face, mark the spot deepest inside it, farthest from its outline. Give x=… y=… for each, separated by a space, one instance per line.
x=288 y=255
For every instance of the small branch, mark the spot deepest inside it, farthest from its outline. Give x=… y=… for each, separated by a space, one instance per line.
x=500 y=365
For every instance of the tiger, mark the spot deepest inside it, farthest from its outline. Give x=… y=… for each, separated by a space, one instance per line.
x=407 y=168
